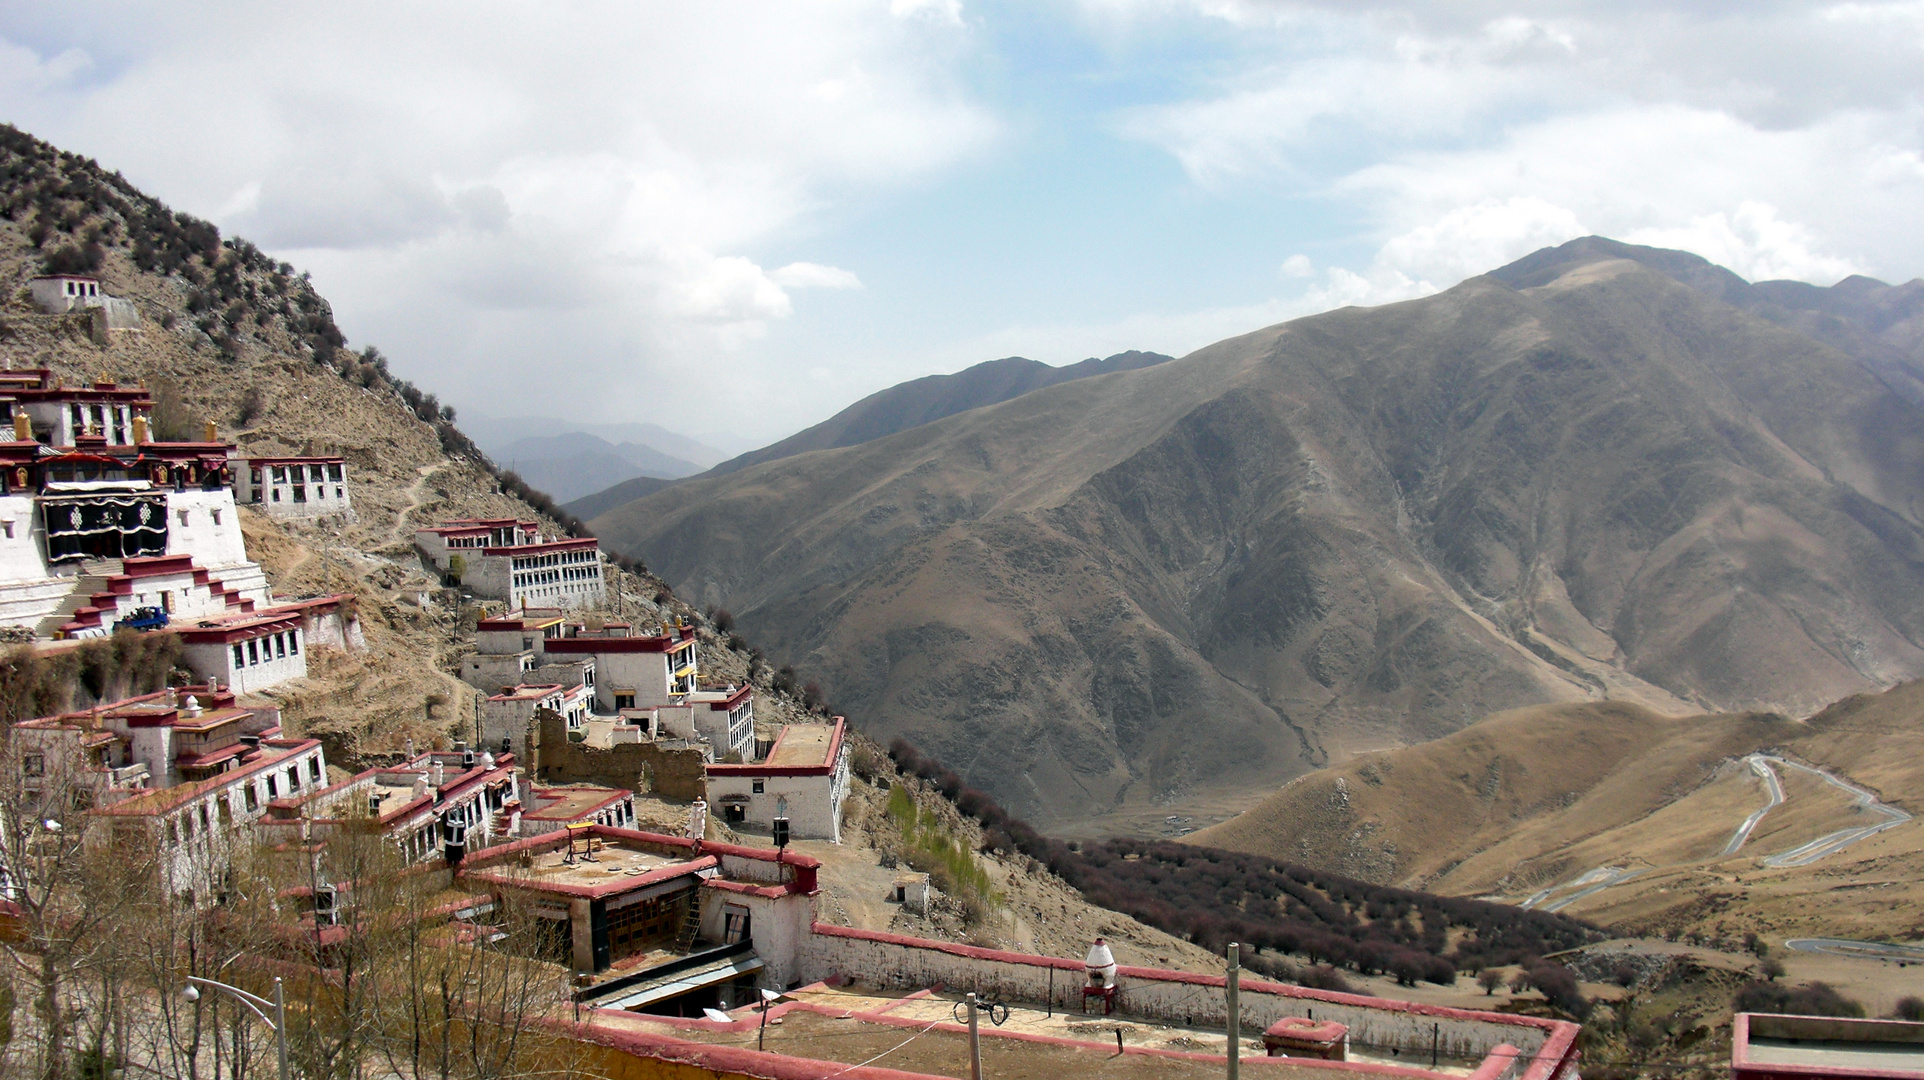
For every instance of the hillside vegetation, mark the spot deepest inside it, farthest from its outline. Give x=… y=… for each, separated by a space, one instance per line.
x=1212 y=897
x=1584 y=478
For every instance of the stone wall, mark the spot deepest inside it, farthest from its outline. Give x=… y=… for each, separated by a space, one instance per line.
x=642 y=767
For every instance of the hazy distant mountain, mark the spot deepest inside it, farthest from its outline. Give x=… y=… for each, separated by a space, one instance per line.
x=920 y=401
x=1602 y=470
x=494 y=434
x=902 y=406
x=576 y=464
x=600 y=502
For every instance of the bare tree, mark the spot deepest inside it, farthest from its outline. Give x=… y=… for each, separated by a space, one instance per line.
x=68 y=889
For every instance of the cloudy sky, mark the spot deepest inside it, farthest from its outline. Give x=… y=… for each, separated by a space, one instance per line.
x=732 y=219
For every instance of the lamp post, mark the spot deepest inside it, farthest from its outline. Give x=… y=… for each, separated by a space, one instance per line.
x=255 y=1002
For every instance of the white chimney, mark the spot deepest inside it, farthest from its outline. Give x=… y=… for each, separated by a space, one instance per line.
x=436 y=774
x=193 y=707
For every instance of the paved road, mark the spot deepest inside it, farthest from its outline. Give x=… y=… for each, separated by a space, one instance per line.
x=1760 y=765
x=1866 y=950
x=1604 y=877
x=1843 y=838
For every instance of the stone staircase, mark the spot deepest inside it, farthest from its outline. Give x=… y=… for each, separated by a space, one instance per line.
x=92 y=579
x=105 y=591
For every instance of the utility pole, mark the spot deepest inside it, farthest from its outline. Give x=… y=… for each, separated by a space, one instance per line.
x=1230 y=979
x=975 y=1043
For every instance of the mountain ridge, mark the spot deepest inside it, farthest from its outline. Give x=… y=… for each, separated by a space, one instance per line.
x=1354 y=530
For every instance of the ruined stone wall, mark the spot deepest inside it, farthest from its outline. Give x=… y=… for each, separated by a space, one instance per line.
x=642 y=767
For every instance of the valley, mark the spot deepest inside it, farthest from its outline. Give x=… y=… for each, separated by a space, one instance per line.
x=1713 y=825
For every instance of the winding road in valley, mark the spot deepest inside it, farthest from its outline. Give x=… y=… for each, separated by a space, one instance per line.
x=1600 y=878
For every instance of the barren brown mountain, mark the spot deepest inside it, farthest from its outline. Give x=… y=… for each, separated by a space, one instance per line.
x=1590 y=475
x=1642 y=822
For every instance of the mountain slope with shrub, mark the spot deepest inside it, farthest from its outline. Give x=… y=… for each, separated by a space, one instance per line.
x=1212 y=897
x=1174 y=588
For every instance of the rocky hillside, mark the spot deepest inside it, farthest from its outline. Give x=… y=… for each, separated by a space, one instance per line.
x=233 y=337
x=1158 y=591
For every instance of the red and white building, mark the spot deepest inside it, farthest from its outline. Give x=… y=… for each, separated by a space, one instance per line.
x=509 y=714
x=85 y=491
x=294 y=487
x=650 y=682
x=177 y=772
x=508 y=559
x=804 y=779
x=425 y=804
x=258 y=648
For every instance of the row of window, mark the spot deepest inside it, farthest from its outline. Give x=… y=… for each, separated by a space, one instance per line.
x=114 y=421
x=558 y=558
x=300 y=494
x=284 y=473
x=272 y=647
x=257 y=791
x=550 y=577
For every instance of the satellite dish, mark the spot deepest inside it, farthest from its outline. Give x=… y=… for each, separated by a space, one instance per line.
x=718 y=1016
x=771 y=996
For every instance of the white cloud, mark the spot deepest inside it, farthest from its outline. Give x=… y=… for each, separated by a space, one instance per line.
x=1470 y=240
x=459 y=179
x=802 y=275
x=1754 y=242
x=948 y=11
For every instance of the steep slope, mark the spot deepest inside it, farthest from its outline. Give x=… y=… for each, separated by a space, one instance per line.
x=1620 y=816
x=932 y=397
x=233 y=337
x=1168 y=587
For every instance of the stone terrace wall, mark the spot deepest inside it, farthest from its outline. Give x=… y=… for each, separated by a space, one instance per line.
x=891 y=960
x=644 y=766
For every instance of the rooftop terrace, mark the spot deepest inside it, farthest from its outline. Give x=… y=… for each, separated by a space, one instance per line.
x=923 y=1033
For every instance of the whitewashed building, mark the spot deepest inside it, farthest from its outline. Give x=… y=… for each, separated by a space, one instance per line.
x=804 y=779
x=86 y=495
x=294 y=487
x=508 y=559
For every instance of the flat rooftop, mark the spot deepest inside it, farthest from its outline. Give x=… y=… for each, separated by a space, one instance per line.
x=1826 y=1046
x=918 y=1033
x=611 y=863
x=1839 y=1053
x=805 y=745
x=569 y=803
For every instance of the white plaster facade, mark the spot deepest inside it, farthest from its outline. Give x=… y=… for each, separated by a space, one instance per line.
x=805 y=778
x=296 y=487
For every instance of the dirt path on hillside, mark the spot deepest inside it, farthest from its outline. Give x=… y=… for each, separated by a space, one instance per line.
x=414 y=500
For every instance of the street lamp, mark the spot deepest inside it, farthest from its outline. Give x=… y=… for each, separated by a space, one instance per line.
x=259 y=1005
